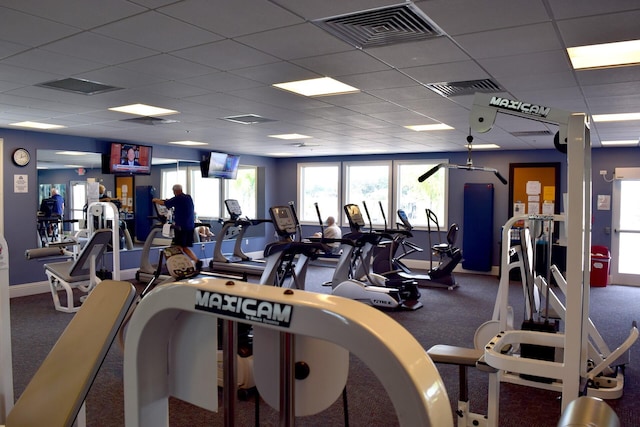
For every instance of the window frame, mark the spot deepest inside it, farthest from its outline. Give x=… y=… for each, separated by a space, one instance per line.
x=192 y=169
x=443 y=218
x=324 y=210
x=372 y=206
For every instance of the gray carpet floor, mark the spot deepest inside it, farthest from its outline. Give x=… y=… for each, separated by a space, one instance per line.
x=448 y=317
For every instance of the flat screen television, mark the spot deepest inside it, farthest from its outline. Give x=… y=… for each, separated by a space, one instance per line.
x=223 y=166
x=130 y=159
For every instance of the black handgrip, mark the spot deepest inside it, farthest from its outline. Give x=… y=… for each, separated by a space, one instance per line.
x=501 y=178
x=366 y=210
x=319 y=219
x=430 y=172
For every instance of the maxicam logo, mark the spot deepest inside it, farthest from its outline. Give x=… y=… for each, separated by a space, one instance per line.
x=522 y=107
x=261 y=311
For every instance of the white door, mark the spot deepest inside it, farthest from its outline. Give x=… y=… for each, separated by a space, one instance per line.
x=625 y=239
x=78 y=202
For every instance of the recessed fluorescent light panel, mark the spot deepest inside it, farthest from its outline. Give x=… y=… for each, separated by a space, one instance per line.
x=143 y=110
x=71 y=153
x=37 y=125
x=621 y=117
x=484 y=146
x=317 y=87
x=627 y=142
x=605 y=55
x=290 y=136
x=189 y=143
x=422 y=128
x=280 y=154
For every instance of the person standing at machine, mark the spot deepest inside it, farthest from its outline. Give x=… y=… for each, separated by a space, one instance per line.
x=58 y=207
x=183 y=221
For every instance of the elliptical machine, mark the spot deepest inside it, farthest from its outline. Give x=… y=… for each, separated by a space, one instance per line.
x=388 y=262
x=353 y=277
x=449 y=255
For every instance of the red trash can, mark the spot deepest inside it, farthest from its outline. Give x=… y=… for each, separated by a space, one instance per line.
x=600 y=260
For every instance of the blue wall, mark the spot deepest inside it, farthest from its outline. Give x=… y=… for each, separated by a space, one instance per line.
x=20 y=208
x=278 y=185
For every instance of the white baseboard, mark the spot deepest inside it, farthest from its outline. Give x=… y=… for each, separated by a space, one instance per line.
x=35 y=288
x=426 y=265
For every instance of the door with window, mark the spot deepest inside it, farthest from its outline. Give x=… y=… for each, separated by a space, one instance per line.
x=625 y=239
x=78 y=200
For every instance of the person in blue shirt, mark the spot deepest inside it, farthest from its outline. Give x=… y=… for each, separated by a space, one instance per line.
x=58 y=207
x=183 y=221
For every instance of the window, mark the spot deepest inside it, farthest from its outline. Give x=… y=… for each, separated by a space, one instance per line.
x=170 y=177
x=318 y=183
x=243 y=189
x=415 y=197
x=369 y=182
x=208 y=193
x=393 y=185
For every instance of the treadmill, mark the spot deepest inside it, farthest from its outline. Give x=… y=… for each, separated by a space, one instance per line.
x=234 y=229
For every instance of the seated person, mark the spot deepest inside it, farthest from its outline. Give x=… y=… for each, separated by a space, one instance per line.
x=205 y=234
x=331 y=231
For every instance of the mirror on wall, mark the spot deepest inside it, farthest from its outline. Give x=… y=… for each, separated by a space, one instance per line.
x=75 y=168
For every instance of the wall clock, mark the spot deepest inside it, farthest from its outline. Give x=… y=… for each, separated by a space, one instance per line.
x=21 y=157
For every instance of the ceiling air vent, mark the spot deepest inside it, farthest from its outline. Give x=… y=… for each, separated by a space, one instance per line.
x=468 y=87
x=381 y=27
x=532 y=133
x=84 y=87
x=247 y=119
x=147 y=120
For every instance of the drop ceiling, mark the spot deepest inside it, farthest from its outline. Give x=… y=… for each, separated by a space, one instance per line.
x=211 y=59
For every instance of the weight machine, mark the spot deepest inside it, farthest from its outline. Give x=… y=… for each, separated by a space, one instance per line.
x=574 y=138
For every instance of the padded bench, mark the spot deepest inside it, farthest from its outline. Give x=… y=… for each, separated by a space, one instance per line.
x=75 y=274
x=465 y=357
x=56 y=393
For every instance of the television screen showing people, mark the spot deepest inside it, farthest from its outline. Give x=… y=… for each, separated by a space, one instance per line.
x=130 y=159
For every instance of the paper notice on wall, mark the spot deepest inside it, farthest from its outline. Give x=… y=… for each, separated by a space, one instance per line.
x=549 y=193
x=548 y=208
x=604 y=202
x=518 y=209
x=533 y=187
x=21 y=183
x=534 y=208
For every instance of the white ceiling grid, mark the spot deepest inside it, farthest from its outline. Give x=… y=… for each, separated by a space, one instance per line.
x=210 y=59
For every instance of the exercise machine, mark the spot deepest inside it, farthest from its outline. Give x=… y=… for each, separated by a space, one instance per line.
x=449 y=255
x=157 y=234
x=287 y=259
x=235 y=228
x=107 y=215
x=160 y=359
x=570 y=374
x=354 y=279
x=80 y=274
x=604 y=368
x=387 y=262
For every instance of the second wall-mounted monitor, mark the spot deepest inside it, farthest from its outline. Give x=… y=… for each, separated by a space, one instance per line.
x=223 y=166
